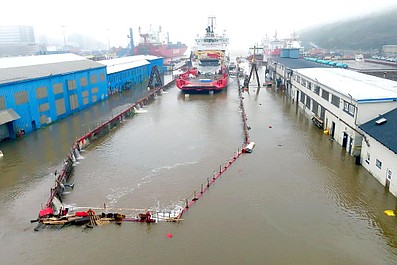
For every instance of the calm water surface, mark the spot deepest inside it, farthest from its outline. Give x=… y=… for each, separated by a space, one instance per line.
x=297 y=199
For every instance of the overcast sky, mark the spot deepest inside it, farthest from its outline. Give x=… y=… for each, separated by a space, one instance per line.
x=245 y=22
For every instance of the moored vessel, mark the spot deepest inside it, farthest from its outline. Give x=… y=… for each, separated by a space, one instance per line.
x=154 y=43
x=209 y=60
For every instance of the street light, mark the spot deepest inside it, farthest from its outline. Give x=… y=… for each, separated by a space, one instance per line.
x=64 y=38
x=108 y=40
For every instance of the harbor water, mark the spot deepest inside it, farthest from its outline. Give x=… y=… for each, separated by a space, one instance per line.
x=298 y=198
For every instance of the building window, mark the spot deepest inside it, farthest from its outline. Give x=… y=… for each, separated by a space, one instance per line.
x=44 y=107
x=21 y=97
x=378 y=164
x=41 y=92
x=349 y=108
x=298 y=79
x=346 y=106
x=71 y=84
x=2 y=103
x=325 y=95
x=102 y=77
x=352 y=110
x=58 y=88
x=303 y=82
x=335 y=100
x=83 y=81
x=303 y=95
x=389 y=174
x=308 y=100
x=316 y=89
x=93 y=78
x=74 y=104
x=60 y=106
x=315 y=107
x=309 y=85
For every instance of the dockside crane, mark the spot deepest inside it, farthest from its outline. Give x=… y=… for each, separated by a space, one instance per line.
x=253 y=68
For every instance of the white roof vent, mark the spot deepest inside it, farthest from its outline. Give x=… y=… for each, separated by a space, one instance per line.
x=381 y=121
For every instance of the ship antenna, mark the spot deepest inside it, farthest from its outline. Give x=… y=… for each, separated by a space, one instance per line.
x=211 y=22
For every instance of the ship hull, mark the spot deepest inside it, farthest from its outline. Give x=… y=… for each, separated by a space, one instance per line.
x=191 y=82
x=164 y=51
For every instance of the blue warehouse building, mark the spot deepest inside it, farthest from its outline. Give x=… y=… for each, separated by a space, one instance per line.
x=38 y=90
x=131 y=72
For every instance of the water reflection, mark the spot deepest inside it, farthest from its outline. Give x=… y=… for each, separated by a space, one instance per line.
x=298 y=191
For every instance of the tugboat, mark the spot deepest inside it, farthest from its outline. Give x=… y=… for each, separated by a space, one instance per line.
x=209 y=63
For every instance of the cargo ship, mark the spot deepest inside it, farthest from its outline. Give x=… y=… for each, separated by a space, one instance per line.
x=273 y=47
x=153 y=43
x=209 y=61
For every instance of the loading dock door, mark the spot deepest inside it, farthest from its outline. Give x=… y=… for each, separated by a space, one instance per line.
x=4 y=134
x=344 y=142
x=7 y=117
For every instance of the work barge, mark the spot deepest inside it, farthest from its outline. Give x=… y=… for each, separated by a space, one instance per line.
x=54 y=214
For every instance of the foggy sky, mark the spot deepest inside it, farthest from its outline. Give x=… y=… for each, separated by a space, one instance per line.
x=246 y=23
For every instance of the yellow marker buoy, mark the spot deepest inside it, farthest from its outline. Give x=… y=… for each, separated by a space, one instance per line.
x=390 y=213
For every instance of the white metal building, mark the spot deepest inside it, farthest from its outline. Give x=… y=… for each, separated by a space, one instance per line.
x=379 y=149
x=339 y=100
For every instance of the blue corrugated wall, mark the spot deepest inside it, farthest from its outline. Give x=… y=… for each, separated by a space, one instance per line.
x=30 y=112
x=136 y=76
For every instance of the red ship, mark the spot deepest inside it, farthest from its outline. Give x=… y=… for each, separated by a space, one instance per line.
x=195 y=81
x=151 y=43
x=209 y=59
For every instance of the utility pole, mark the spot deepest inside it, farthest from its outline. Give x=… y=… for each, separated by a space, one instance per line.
x=108 y=40
x=64 y=38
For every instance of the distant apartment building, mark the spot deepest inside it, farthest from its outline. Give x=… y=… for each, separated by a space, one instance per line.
x=390 y=49
x=17 y=41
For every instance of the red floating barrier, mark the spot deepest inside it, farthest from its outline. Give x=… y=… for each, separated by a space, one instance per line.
x=81 y=214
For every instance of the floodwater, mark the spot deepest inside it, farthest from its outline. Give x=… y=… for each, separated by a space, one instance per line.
x=297 y=199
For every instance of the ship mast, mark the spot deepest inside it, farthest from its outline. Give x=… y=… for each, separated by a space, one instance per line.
x=211 y=22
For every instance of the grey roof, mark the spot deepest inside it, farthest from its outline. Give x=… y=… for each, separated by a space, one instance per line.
x=361 y=87
x=8 y=115
x=13 y=69
x=124 y=63
x=298 y=63
x=384 y=133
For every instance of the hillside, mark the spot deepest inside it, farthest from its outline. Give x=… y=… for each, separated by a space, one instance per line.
x=364 y=33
